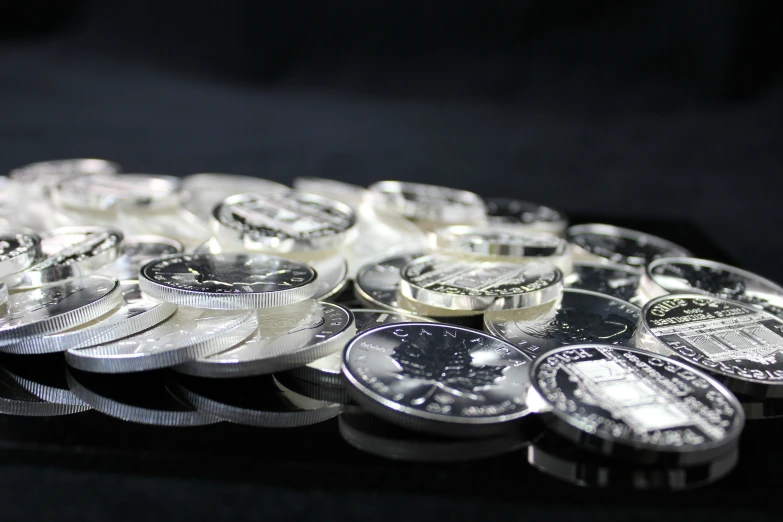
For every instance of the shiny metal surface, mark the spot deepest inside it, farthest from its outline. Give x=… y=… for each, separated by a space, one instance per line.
x=620 y=245
x=620 y=281
x=137 y=251
x=42 y=176
x=525 y=215
x=351 y=195
x=18 y=252
x=427 y=203
x=102 y=193
x=200 y=193
x=497 y=241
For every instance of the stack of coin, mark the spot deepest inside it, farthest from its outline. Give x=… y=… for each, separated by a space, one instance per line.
x=473 y=327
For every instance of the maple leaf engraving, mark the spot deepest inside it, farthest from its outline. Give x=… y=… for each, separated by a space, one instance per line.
x=572 y=326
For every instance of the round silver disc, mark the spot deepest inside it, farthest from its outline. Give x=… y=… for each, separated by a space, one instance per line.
x=738 y=344
x=525 y=215
x=699 y=276
x=138 y=191
x=620 y=245
x=332 y=275
x=42 y=376
x=438 y=378
x=351 y=195
x=581 y=317
x=635 y=404
x=427 y=203
x=16 y=401
x=187 y=335
x=137 y=313
x=460 y=284
x=18 y=252
x=44 y=175
x=488 y=240
x=228 y=281
x=620 y=281
x=201 y=192
x=287 y=337
x=57 y=307
x=137 y=251
x=288 y=222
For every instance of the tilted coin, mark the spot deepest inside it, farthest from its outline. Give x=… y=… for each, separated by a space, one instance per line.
x=136 y=313
x=697 y=276
x=228 y=281
x=255 y=401
x=620 y=245
x=635 y=405
x=17 y=252
x=70 y=252
x=200 y=193
x=372 y=435
x=428 y=204
x=620 y=281
x=566 y=461
x=42 y=376
x=526 y=215
x=438 y=378
x=137 y=251
x=581 y=317
x=142 y=191
x=42 y=176
x=314 y=390
x=289 y=222
x=16 y=401
x=287 y=337
x=3 y=293
x=187 y=335
x=143 y=398
x=327 y=370
x=56 y=307
x=460 y=284
x=351 y=195
x=737 y=343
x=498 y=243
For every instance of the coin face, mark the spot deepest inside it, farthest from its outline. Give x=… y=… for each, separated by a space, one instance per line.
x=17 y=252
x=137 y=251
x=228 y=281
x=347 y=193
x=45 y=174
x=497 y=241
x=740 y=345
x=688 y=275
x=621 y=245
x=332 y=275
x=438 y=378
x=631 y=399
x=287 y=337
x=429 y=203
x=57 y=306
x=201 y=192
x=525 y=214
x=581 y=317
x=141 y=191
x=453 y=283
x=378 y=283
x=287 y=222
x=618 y=281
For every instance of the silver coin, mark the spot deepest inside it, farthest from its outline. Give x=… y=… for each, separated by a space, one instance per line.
x=42 y=176
x=143 y=398
x=3 y=293
x=314 y=390
x=372 y=435
x=526 y=215
x=288 y=222
x=564 y=460
x=102 y=193
x=136 y=314
x=581 y=317
x=738 y=344
x=228 y=281
x=332 y=275
x=460 y=284
x=699 y=276
x=620 y=281
x=620 y=245
x=57 y=307
x=427 y=203
x=351 y=195
x=137 y=251
x=16 y=401
x=70 y=252
x=634 y=404
x=42 y=376
x=438 y=378
x=200 y=193
x=287 y=337
x=255 y=401
x=328 y=370
x=189 y=334
x=18 y=252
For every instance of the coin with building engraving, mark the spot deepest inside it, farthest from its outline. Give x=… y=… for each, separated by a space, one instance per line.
x=740 y=345
x=620 y=281
x=580 y=317
x=228 y=281
x=438 y=378
x=292 y=221
x=634 y=404
x=287 y=337
x=461 y=284
x=689 y=275
x=620 y=245
x=428 y=204
x=18 y=251
x=56 y=307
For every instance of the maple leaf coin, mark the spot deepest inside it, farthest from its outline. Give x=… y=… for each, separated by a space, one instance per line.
x=607 y=243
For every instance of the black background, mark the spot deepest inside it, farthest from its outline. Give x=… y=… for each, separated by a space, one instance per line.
x=660 y=111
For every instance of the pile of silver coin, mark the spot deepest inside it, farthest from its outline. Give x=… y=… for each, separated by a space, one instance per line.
x=435 y=324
